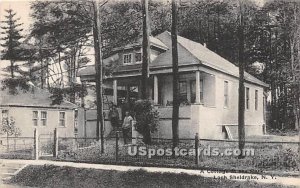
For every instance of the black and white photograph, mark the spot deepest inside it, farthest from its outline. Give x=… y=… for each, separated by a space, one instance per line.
x=150 y=93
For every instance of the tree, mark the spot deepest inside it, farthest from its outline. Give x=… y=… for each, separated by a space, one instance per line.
x=175 y=112
x=146 y=50
x=12 y=52
x=241 y=103
x=9 y=129
x=99 y=73
x=280 y=71
x=12 y=43
x=147 y=119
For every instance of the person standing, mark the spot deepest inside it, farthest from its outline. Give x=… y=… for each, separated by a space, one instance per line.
x=114 y=117
x=126 y=126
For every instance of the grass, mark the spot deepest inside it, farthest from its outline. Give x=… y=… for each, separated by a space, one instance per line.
x=54 y=176
x=268 y=157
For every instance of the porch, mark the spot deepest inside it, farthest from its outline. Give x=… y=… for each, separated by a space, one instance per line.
x=195 y=87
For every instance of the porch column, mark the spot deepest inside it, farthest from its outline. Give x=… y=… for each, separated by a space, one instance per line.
x=155 y=85
x=197 y=87
x=115 y=92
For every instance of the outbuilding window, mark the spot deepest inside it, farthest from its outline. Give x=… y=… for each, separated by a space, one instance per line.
x=4 y=114
x=62 y=119
x=44 y=118
x=35 y=118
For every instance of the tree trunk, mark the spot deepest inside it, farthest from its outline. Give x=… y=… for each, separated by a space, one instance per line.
x=241 y=108
x=146 y=50
x=146 y=60
x=42 y=73
x=98 y=67
x=61 y=71
x=175 y=114
x=12 y=68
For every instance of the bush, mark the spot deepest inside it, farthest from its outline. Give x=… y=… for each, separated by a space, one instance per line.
x=283 y=160
x=147 y=119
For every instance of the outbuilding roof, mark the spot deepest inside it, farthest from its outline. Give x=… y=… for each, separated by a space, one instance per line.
x=37 y=98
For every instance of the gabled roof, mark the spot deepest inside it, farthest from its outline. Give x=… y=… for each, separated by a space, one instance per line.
x=153 y=42
x=189 y=53
x=205 y=57
x=37 y=99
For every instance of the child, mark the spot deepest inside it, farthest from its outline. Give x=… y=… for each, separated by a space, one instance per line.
x=126 y=126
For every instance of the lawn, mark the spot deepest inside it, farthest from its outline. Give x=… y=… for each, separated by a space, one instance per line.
x=53 y=176
x=268 y=157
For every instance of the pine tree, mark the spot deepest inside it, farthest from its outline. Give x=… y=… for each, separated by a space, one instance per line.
x=11 y=41
x=12 y=52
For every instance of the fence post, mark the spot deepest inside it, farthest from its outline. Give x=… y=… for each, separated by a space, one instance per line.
x=117 y=146
x=35 y=145
x=196 y=149
x=55 y=143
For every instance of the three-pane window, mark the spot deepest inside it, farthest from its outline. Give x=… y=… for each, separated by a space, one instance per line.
x=35 y=118
x=44 y=118
x=62 y=119
x=127 y=58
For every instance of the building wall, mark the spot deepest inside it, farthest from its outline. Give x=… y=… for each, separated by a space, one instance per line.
x=209 y=118
x=221 y=115
x=23 y=120
x=187 y=128
x=88 y=127
x=212 y=114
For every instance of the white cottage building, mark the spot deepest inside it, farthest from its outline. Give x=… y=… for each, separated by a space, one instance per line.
x=208 y=86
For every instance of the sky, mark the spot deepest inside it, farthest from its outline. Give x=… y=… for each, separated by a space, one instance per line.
x=22 y=8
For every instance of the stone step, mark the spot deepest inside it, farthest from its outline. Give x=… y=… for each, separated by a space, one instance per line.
x=8 y=170
x=11 y=165
x=6 y=175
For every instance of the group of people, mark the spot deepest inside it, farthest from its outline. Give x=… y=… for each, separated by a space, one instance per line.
x=126 y=124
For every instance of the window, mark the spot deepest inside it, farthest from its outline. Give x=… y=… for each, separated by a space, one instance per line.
x=62 y=119
x=182 y=91
x=35 y=117
x=76 y=121
x=127 y=58
x=193 y=91
x=201 y=90
x=225 y=93
x=4 y=114
x=44 y=118
x=138 y=57
x=256 y=99
x=247 y=98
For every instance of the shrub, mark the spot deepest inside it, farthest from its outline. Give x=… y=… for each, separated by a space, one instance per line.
x=147 y=119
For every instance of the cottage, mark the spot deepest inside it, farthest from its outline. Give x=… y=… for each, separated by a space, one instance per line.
x=34 y=110
x=208 y=88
